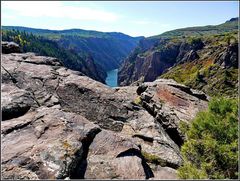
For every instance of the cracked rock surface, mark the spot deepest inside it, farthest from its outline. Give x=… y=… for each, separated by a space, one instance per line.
x=59 y=124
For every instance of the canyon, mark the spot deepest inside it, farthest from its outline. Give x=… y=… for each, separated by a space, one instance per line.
x=79 y=104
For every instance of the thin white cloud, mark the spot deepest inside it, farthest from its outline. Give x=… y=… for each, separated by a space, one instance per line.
x=57 y=9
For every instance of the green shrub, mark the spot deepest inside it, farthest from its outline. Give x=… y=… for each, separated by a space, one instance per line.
x=211 y=147
x=189 y=170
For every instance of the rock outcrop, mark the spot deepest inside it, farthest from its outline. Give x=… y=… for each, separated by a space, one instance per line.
x=229 y=57
x=10 y=47
x=59 y=124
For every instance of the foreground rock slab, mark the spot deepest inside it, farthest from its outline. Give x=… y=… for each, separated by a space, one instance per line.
x=60 y=124
x=46 y=143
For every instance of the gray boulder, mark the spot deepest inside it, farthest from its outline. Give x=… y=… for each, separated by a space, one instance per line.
x=10 y=47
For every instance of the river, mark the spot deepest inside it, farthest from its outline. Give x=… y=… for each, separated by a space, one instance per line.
x=112 y=77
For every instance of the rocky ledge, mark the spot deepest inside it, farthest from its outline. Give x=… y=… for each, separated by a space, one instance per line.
x=59 y=124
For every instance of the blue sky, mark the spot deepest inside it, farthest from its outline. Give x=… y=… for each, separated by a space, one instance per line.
x=130 y=17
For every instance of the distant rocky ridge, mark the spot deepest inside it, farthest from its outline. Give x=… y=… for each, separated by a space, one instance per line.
x=206 y=61
x=59 y=124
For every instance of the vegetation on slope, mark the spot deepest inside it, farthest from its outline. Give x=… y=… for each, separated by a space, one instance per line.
x=206 y=73
x=228 y=26
x=45 y=47
x=107 y=49
x=211 y=147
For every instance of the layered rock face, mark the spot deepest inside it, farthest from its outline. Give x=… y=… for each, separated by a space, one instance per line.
x=60 y=124
x=147 y=67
